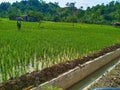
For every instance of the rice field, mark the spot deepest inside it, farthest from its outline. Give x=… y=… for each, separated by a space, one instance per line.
x=34 y=48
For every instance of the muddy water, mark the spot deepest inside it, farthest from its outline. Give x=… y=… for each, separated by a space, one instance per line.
x=91 y=78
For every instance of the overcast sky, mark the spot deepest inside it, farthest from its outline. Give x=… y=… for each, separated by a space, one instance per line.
x=79 y=3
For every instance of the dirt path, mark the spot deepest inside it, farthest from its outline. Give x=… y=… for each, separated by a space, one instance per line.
x=111 y=79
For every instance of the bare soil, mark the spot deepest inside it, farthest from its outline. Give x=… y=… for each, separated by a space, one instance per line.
x=111 y=79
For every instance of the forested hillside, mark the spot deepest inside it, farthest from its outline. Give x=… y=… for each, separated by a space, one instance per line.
x=103 y=14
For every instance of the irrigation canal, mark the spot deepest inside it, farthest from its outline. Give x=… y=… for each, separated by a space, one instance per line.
x=83 y=84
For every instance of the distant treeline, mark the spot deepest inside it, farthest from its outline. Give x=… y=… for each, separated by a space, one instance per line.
x=103 y=14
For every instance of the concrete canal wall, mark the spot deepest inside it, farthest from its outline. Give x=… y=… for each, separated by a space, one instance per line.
x=80 y=72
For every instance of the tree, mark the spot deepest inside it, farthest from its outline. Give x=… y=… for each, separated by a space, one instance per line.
x=72 y=9
x=4 y=6
x=37 y=15
x=102 y=14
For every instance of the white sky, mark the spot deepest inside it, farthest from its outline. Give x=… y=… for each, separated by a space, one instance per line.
x=79 y=3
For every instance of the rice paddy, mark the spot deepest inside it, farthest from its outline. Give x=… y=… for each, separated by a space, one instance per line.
x=34 y=48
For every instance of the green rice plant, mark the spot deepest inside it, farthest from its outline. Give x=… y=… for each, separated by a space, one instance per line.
x=32 y=49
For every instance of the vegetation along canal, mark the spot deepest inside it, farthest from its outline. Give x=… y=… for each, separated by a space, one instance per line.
x=82 y=85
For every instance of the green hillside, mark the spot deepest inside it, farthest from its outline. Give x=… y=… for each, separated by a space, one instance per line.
x=100 y=14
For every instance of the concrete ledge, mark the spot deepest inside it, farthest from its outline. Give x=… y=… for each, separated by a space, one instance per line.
x=80 y=72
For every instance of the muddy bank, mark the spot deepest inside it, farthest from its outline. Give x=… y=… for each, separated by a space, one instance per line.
x=38 y=77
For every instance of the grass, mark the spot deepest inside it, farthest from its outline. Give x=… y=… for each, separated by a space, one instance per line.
x=34 y=47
